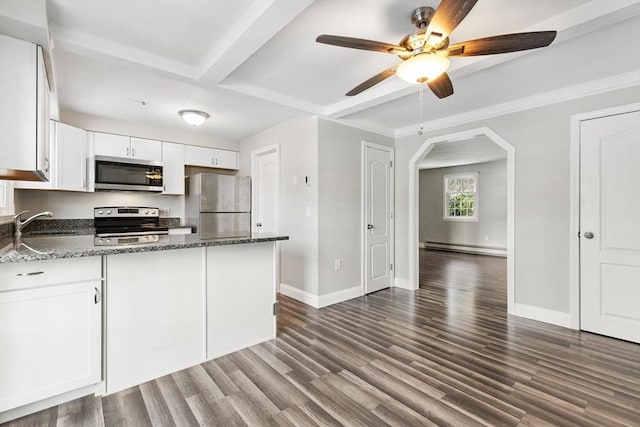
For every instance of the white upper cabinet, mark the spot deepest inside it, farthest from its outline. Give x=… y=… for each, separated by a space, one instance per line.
x=198 y=156
x=107 y=144
x=173 y=174
x=211 y=157
x=24 y=111
x=226 y=159
x=70 y=166
x=68 y=160
x=146 y=149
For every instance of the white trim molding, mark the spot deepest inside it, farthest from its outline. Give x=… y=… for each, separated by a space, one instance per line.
x=299 y=295
x=607 y=84
x=467 y=249
x=541 y=314
x=402 y=284
x=320 y=301
x=339 y=296
x=413 y=239
x=574 y=201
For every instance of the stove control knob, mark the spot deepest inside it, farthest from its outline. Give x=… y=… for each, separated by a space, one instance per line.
x=108 y=240
x=99 y=212
x=99 y=240
x=108 y=212
x=146 y=212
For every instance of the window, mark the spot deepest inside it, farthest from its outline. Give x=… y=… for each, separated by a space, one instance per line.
x=461 y=197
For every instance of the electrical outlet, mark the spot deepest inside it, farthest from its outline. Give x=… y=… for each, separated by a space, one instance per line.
x=336 y=264
x=166 y=211
x=307 y=211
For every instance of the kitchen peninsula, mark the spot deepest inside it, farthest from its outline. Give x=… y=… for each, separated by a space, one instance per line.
x=111 y=317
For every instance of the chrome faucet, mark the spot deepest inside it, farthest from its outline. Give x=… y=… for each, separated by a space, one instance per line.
x=19 y=224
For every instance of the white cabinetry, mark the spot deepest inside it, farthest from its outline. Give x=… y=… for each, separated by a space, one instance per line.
x=211 y=157
x=173 y=169
x=50 y=329
x=24 y=111
x=107 y=144
x=240 y=299
x=155 y=315
x=68 y=160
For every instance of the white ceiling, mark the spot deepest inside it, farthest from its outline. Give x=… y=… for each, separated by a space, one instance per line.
x=479 y=149
x=254 y=63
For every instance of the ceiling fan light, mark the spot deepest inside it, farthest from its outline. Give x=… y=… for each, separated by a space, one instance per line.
x=422 y=68
x=193 y=117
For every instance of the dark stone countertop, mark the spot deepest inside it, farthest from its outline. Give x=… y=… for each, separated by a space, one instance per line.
x=36 y=248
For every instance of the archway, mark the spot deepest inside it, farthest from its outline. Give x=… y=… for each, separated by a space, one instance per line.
x=413 y=238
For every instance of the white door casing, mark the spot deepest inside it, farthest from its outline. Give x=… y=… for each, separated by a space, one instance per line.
x=377 y=193
x=265 y=184
x=609 y=229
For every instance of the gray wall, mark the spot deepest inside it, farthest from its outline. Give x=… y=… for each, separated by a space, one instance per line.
x=298 y=141
x=541 y=139
x=491 y=228
x=340 y=198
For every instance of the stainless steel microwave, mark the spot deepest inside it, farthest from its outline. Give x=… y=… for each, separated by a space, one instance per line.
x=115 y=173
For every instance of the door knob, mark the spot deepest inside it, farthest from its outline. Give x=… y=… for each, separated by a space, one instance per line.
x=588 y=235
x=369 y=226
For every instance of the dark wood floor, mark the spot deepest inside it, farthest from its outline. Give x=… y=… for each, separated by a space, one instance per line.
x=447 y=354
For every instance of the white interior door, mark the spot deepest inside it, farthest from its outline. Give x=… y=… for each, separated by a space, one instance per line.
x=378 y=191
x=265 y=191
x=610 y=232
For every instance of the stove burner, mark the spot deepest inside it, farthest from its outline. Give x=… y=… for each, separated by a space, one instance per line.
x=127 y=225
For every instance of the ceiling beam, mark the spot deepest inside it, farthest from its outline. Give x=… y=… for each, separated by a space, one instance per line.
x=261 y=21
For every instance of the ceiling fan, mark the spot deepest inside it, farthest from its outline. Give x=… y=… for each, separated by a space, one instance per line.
x=425 y=53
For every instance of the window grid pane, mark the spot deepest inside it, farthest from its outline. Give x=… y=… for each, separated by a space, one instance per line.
x=460 y=196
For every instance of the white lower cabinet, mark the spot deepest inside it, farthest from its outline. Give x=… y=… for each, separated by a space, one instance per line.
x=50 y=329
x=155 y=315
x=240 y=296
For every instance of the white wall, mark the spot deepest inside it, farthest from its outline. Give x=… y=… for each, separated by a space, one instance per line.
x=80 y=205
x=339 y=198
x=541 y=139
x=298 y=141
x=491 y=228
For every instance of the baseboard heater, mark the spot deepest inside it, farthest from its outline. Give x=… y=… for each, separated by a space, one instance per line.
x=466 y=248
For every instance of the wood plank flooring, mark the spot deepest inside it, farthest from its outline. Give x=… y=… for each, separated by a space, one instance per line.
x=447 y=354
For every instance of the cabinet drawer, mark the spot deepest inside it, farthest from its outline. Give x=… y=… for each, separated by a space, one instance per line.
x=22 y=275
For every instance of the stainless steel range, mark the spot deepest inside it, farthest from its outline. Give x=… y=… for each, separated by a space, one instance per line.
x=127 y=225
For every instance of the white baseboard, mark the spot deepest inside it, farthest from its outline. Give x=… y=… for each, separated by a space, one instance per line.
x=542 y=314
x=339 y=296
x=403 y=284
x=325 y=300
x=299 y=295
x=501 y=252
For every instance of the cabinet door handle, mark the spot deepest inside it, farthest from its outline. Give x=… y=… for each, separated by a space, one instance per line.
x=96 y=296
x=33 y=273
x=133 y=152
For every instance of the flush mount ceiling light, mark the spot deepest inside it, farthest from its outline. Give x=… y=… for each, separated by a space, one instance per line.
x=422 y=68
x=193 y=117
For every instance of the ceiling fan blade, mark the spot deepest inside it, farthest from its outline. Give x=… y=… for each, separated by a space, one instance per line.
x=441 y=86
x=448 y=15
x=372 y=81
x=363 y=44
x=502 y=44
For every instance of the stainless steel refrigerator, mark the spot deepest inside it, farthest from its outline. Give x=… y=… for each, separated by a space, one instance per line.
x=219 y=206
